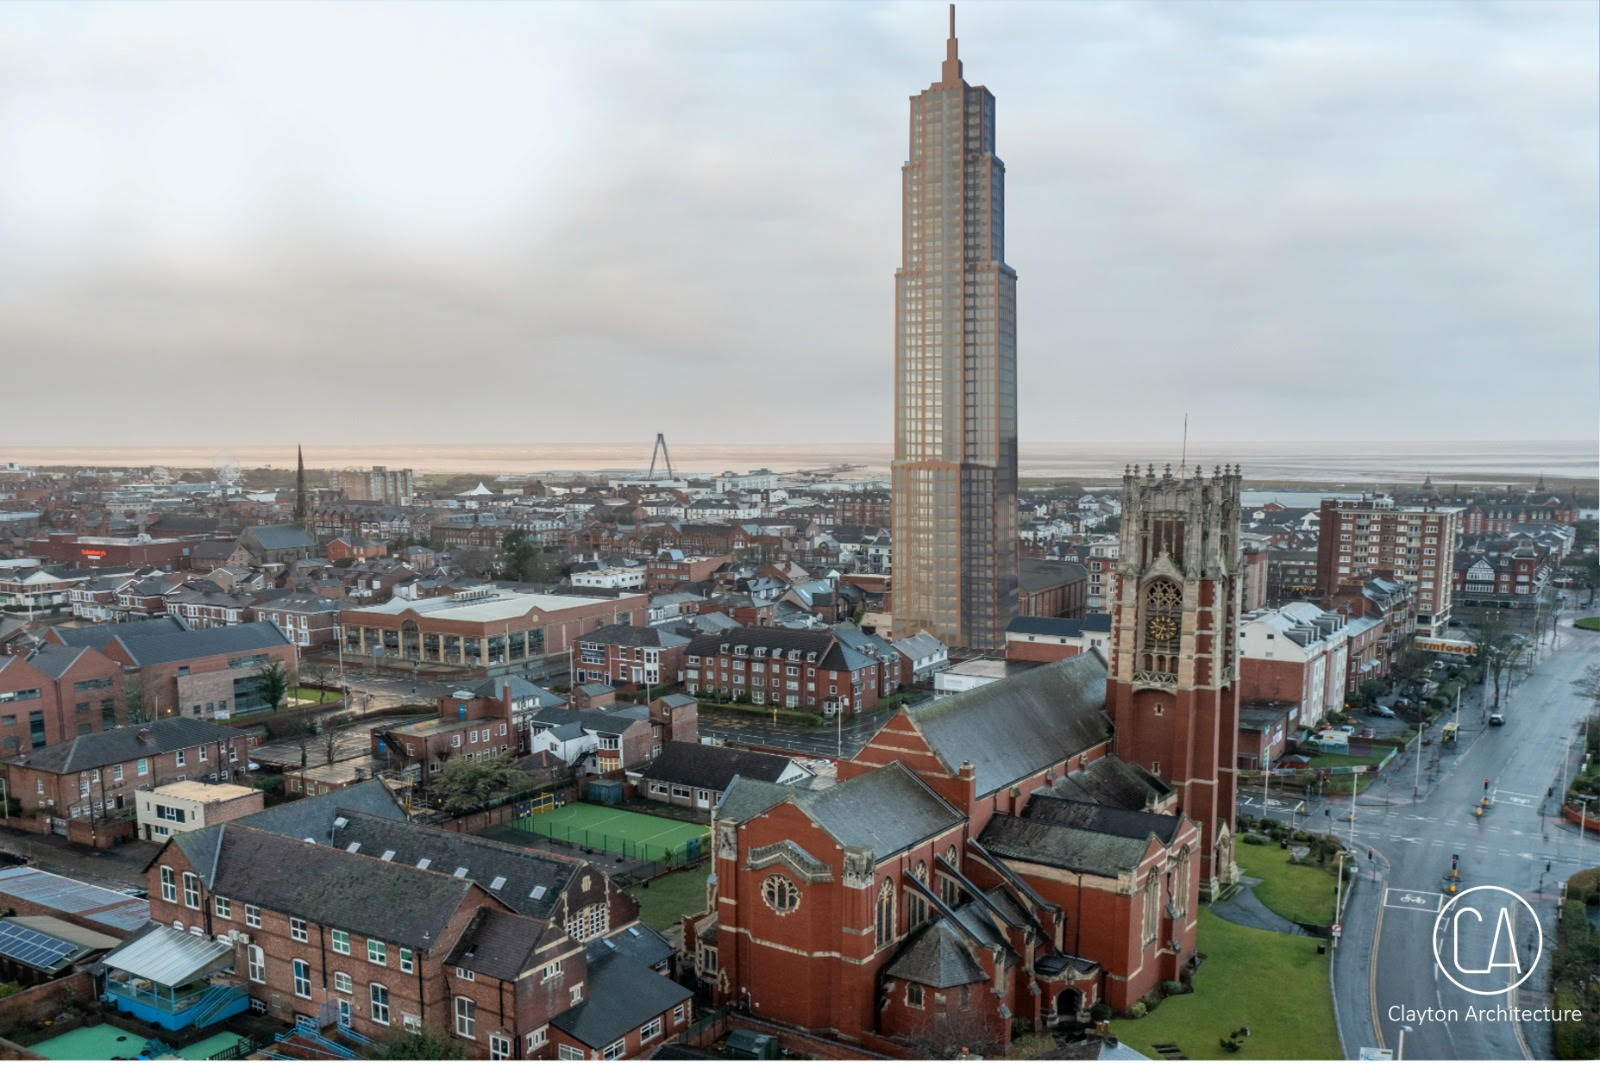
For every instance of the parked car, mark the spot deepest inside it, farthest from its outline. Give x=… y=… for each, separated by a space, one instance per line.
x=1367 y=732
x=1383 y=712
x=1496 y=719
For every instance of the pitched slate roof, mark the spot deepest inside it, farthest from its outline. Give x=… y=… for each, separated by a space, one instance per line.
x=772 y=638
x=124 y=745
x=313 y=817
x=527 y=882
x=1034 y=574
x=633 y=637
x=937 y=957
x=147 y=649
x=277 y=538
x=1020 y=724
x=712 y=766
x=1113 y=782
x=360 y=894
x=888 y=809
x=1118 y=822
x=497 y=944
x=100 y=636
x=1066 y=847
x=54 y=660
x=521 y=689
x=622 y=995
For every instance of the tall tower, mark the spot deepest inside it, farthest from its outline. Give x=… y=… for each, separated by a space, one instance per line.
x=1171 y=688
x=302 y=511
x=955 y=413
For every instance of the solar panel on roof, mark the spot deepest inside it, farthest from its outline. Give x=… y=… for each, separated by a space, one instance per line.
x=32 y=947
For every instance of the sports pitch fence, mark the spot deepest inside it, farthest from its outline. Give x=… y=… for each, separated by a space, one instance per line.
x=628 y=834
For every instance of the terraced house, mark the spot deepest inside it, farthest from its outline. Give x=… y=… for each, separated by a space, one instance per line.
x=55 y=693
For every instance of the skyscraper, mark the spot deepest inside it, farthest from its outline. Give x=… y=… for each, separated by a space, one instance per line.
x=955 y=458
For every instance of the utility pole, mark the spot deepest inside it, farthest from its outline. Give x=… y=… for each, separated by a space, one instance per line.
x=1355 y=787
x=1416 y=788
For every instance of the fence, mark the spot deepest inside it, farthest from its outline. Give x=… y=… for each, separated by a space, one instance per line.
x=629 y=847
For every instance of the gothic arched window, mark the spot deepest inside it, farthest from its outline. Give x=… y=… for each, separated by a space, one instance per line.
x=951 y=888
x=781 y=895
x=1163 y=625
x=886 y=912
x=916 y=903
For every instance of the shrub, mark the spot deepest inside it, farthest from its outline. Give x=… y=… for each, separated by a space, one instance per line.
x=1171 y=988
x=1101 y=1012
x=1256 y=839
x=1139 y=1010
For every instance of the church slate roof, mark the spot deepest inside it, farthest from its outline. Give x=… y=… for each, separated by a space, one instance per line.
x=1113 y=782
x=1065 y=847
x=937 y=957
x=1021 y=724
x=887 y=809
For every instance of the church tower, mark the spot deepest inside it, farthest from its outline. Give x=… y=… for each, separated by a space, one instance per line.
x=1171 y=690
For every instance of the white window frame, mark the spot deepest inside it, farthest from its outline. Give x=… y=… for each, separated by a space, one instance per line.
x=342 y=983
x=377 y=953
x=298 y=931
x=466 y=1018
x=191 y=890
x=169 y=885
x=379 y=1010
x=257 y=958
x=302 y=979
x=252 y=916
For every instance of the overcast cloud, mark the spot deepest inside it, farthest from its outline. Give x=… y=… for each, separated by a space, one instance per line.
x=519 y=222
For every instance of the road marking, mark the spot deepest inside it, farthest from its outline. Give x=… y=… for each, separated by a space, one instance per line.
x=1413 y=900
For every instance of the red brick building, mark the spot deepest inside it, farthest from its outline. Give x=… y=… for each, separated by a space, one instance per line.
x=99 y=773
x=972 y=867
x=168 y=553
x=212 y=673
x=1173 y=693
x=672 y=567
x=395 y=927
x=1358 y=539
x=57 y=693
x=627 y=657
x=770 y=665
x=1049 y=588
x=354 y=548
x=1030 y=639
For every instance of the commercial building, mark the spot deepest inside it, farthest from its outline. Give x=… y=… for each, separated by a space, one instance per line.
x=484 y=627
x=954 y=477
x=1358 y=539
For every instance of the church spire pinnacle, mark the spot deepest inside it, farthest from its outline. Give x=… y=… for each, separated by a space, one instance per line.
x=950 y=74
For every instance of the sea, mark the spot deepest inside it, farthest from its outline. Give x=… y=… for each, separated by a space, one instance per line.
x=1359 y=466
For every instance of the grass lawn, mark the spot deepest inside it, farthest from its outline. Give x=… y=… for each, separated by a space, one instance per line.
x=671 y=897
x=1300 y=894
x=1592 y=623
x=313 y=695
x=1339 y=759
x=622 y=833
x=1275 y=984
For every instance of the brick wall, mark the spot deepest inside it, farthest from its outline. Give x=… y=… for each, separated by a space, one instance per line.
x=35 y=1005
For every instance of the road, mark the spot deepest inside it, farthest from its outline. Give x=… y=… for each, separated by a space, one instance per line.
x=1385 y=965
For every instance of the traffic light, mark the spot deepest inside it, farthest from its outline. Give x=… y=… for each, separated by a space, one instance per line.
x=1486 y=783
x=1369 y=853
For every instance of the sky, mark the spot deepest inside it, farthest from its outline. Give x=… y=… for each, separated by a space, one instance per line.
x=517 y=222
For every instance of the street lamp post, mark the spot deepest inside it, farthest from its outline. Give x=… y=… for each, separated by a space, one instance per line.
x=1400 y=1053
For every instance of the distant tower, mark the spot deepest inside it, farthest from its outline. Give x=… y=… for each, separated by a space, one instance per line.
x=660 y=449
x=954 y=476
x=301 y=511
x=1171 y=688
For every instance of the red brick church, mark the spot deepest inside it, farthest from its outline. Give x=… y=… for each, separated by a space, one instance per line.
x=997 y=860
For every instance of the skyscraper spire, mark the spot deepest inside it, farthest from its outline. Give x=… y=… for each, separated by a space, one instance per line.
x=950 y=74
x=300 y=511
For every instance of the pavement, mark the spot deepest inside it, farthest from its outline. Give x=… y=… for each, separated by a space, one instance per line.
x=1244 y=909
x=1414 y=821
x=115 y=869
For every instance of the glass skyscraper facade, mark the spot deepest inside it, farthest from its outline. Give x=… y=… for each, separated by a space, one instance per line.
x=955 y=464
